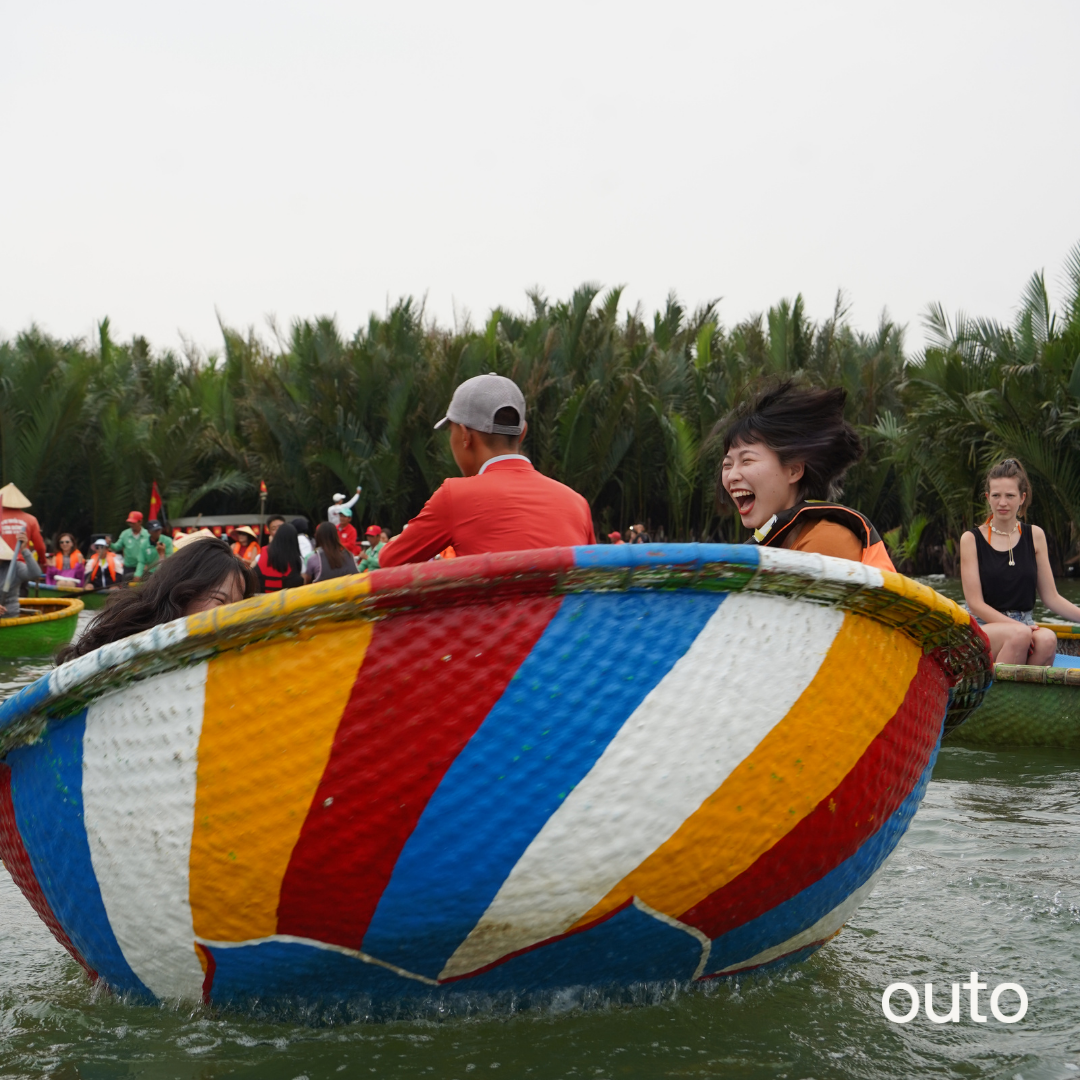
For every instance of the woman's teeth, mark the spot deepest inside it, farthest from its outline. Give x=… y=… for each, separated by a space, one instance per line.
x=744 y=499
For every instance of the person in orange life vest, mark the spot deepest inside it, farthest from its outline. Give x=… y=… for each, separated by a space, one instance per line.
x=500 y=502
x=615 y=537
x=14 y=519
x=246 y=544
x=103 y=569
x=785 y=453
x=347 y=531
x=67 y=562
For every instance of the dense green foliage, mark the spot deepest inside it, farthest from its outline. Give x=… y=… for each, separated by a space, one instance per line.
x=620 y=409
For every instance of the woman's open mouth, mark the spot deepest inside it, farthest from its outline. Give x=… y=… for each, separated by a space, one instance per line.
x=744 y=500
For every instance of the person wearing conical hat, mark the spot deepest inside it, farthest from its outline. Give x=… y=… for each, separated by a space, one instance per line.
x=14 y=519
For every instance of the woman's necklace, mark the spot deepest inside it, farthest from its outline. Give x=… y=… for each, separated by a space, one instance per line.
x=1003 y=532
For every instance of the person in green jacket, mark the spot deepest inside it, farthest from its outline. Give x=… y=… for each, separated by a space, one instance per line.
x=132 y=544
x=377 y=538
x=158 y=547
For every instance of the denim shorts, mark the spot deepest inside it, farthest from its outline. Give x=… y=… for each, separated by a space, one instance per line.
x=1020 y=616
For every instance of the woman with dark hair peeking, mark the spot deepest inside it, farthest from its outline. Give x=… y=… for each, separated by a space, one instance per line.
x=785 y=452
x=1003 y=563
x=334 y=560
x=280 y=565
x=204 y=574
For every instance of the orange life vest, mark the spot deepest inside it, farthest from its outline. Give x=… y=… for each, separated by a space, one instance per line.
x=247 y=552
x=95 y=561
x=58 y=559
x=772 y=533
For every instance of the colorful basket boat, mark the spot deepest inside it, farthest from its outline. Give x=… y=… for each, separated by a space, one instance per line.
x=51 y=625
x=1029 y=705
x=92 y=601
x=602 y=765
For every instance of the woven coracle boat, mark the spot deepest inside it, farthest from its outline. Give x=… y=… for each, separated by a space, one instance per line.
x=92 y=601
x=600 y=766
x=48 y=625
x=1029 y=705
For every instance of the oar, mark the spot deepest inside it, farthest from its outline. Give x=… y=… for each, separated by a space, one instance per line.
x=11 y=568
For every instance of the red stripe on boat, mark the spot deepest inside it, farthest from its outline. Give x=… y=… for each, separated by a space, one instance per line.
x=17 y=861
x=426 y=684
x=844 y=820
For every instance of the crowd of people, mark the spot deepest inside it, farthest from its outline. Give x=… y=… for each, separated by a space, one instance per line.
x=786 y=449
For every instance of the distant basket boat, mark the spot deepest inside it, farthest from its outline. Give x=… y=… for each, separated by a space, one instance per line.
x=1029 y=705
x=599 y=765
x=50 y=624
x=92 y=601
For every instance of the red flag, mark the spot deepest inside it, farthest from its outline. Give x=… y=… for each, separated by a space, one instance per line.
x=155 y=504
x=262 y=487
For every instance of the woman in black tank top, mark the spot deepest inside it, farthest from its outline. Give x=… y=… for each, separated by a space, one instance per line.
x=1003 y=563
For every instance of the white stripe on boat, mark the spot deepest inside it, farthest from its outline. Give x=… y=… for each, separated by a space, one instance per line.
x=139 y=761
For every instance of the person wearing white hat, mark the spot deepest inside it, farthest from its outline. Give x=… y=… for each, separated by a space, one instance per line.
x=14 y=520
x=333 y=512
x=500 y=502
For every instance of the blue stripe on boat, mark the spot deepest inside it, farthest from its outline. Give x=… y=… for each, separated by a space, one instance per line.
x=632 y=556
x=627 y=948
x=301 y=973
x=25 y=701
x=46 y=790
x=593 y=665
x=802 y=910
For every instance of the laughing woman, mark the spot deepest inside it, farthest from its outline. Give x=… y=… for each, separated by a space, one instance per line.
x=785 y=453
x=1002 y=564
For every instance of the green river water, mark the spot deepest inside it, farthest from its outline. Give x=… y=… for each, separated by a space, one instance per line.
x=987 y=879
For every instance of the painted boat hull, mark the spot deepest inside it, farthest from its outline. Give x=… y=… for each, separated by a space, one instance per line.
x=520 y=772
x=41 y=634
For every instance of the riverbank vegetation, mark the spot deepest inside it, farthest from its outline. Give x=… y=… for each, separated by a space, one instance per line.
x=621 y=408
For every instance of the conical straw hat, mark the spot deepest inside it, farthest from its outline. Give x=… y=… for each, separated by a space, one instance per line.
x=188 y=538
x=13 y=498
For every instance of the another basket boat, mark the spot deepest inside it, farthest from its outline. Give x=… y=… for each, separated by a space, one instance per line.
x=92 y=601
x=600 y=765
x=1031 y=706
x=51 y=625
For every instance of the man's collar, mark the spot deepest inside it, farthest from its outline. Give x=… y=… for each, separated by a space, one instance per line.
x=501 y=457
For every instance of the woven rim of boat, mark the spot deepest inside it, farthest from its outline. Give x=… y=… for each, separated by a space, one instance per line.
x=64 y=607
x=916 y=610
x=1042 y=676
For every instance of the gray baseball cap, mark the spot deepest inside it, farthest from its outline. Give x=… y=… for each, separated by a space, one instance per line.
x=477 y=400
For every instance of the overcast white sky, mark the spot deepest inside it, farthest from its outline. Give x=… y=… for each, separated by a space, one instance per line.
x=161 y=163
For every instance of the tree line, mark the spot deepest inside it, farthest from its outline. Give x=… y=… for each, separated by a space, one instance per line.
x=621 y=407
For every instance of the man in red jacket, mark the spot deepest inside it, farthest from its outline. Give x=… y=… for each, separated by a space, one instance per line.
x=15 y=520
x=500 y=502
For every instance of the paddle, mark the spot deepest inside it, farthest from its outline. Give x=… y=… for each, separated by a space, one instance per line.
x=11 y=565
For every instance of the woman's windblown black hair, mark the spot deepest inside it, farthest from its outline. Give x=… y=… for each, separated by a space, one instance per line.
x=283 y=553
x=798 y=423
x=193 y=572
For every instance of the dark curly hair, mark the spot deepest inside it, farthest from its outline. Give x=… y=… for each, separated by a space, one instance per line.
x=798 y=423
x=193 y=572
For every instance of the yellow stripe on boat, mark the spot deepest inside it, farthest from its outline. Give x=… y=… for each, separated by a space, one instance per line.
x=791 y=770
x=257 y=776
